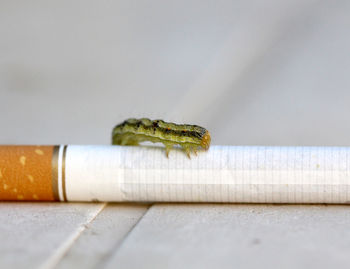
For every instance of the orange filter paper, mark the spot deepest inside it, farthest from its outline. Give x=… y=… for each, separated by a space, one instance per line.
x=26 y=173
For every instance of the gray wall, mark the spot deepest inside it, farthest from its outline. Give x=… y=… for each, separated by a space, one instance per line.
x=252 y=72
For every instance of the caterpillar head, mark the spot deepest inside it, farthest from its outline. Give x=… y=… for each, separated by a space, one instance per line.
x=205 y=142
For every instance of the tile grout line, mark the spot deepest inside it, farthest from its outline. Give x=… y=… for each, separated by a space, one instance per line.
x=61 y=251
x=117 y=247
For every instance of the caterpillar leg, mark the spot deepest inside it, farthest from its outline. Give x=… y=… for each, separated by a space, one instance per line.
x=188 y=153
x=132 y=142
x=187 y=149
x=168 y=147
x=128 y=140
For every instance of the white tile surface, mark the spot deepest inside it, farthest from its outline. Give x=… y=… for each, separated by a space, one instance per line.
x=103 y=236
x=33 y=233
x=238 y=236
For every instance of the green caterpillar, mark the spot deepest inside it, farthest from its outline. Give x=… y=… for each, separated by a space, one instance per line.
x=134 y=131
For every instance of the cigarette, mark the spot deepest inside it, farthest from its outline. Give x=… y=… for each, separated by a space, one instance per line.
x=223 y=174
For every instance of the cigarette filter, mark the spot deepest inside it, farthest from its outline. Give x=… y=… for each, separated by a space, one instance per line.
x=229 y=174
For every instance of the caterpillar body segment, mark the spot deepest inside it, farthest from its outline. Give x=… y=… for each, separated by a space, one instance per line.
x=134 y=131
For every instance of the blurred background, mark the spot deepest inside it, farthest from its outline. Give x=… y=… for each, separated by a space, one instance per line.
x=252 y=72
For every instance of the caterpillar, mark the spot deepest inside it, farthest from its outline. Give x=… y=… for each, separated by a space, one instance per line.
x=189 y=137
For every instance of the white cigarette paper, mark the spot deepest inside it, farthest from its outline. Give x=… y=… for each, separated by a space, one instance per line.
x=233 y=174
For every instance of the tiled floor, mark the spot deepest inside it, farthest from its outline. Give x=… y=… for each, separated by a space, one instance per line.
x=252 y=72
